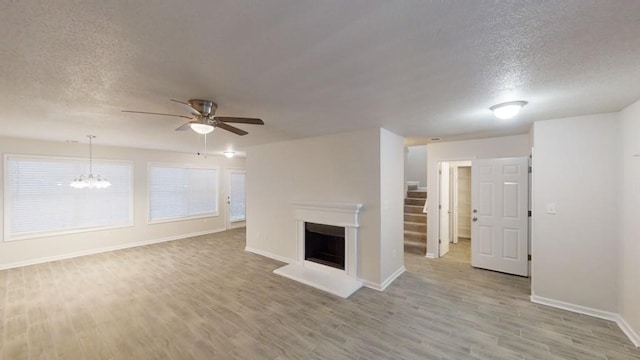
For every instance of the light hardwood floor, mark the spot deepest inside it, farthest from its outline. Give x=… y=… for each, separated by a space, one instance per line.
x=205 y=298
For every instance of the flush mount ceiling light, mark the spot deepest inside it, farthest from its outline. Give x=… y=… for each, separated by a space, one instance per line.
x=201 y=128
x=229 y=153
x=507 y=110
x=90 y=181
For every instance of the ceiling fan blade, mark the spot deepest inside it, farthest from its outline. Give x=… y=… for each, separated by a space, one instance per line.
x=186 y=126
x=189 y=107
x=233 y=129
x=155 y=113
x=239 y=120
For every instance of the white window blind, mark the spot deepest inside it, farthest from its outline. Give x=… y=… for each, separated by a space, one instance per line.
x=179 y=192
x=40 y=202
x=237 y=197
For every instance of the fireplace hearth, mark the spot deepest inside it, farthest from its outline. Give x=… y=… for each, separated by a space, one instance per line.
x=327 y=247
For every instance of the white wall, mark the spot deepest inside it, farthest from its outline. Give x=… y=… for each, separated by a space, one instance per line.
x=507 y=146
x=392 y=199
x=575 y=252
x=335 y=168
x=15 y=253
x=339 y=168
x=416 y=164
x=629 y=199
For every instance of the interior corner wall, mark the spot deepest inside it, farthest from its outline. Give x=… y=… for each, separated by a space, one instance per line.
x=629 y=199
x=392 y=201
x=575 y=251
x=416 y=164
x=29 y=251
x=498 y=147
x=335 y=168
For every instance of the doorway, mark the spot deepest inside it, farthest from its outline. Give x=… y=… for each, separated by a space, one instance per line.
x=454 y=206
x=499 y=223
x=236 y=206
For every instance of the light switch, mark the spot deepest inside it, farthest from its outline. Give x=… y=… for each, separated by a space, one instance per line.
x=551 y=208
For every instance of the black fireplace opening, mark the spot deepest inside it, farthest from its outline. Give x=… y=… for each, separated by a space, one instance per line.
x=324 y=244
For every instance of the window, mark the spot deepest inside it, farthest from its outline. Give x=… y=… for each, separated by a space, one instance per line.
x=236 y=196
x=182 y=192
x=40 y=202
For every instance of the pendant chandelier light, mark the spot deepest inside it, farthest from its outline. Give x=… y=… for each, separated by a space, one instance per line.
x=90 y=181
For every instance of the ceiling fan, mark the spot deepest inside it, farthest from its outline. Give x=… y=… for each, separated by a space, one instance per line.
x=203 y=118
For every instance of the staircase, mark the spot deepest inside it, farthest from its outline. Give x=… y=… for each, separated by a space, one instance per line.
x=415 y=221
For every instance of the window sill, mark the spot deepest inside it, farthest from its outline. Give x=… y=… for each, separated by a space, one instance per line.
x=187 y=218
x=37 y=235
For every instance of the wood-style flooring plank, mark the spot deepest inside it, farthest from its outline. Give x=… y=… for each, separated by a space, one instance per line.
x=206 y=298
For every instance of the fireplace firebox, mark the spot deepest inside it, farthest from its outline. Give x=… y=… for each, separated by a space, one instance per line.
x=325 y=244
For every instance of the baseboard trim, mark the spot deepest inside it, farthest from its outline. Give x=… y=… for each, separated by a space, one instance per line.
x=601 y=314
x=393 y=277
x=628 y=330
x=383 y=286
x=269 y=255
x=76 y=254
x=431 y=256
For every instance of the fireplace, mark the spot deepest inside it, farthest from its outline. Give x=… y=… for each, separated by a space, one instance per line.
x=324 y=244
x=327 y=247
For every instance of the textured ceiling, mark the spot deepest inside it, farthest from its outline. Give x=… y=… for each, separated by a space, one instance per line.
x=419 y=68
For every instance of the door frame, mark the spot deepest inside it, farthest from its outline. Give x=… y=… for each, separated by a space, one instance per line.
x=227 y=195
x=443 y=244
x=437 y=194
x=455 y=167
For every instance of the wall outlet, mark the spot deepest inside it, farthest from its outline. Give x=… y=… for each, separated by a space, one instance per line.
x=551 y=208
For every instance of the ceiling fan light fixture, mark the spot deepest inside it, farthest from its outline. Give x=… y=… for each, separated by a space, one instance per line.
x=202 y=129
x=507 y=110
x=229 y=153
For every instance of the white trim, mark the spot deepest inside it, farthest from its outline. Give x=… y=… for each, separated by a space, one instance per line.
x=104 y=249
x=431 y=256
x=270 y=255
x=601 y=314
x=387 y=282
x=628 y=330
x=339 y=207
x=182 y=218
x=43 y=234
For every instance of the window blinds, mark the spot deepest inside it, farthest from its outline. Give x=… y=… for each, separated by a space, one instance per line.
x=237 y=197
x=178 y=192
x=40 y=201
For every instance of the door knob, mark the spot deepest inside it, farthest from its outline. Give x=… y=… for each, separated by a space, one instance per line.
x=475 y=211
x=475 y=218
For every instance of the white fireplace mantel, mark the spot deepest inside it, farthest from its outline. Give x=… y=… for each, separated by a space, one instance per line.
x=338 y=282
x=337 y=214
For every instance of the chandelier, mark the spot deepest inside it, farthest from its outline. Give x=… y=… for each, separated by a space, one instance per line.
x=90 y=181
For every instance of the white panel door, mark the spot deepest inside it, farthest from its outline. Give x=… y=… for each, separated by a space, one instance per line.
x=445 y=211
x=236 y=198
x=499 y=227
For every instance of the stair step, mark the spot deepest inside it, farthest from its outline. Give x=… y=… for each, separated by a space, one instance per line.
x=415 y=246
x=416 y=218
x=415 y=236
x=412 y=226
x=417 y=194
x=414 y=201
x=412 y=209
